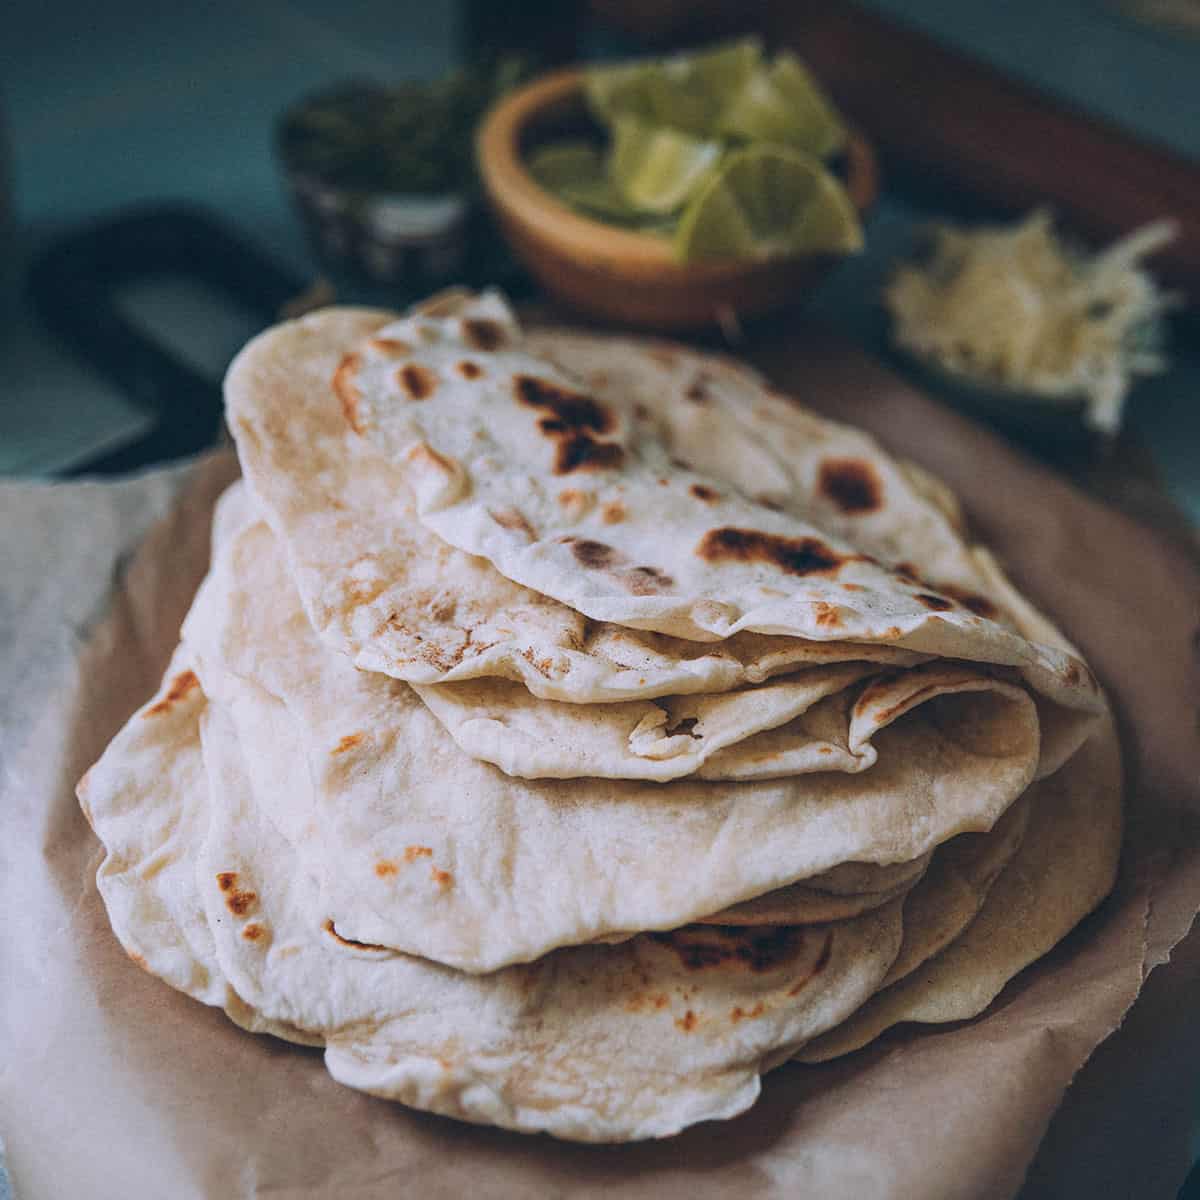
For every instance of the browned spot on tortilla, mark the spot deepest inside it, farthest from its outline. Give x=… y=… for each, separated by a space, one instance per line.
x=570 y=411
x=412 y=853
x=426 y=456
x=641 y=411
x=851 y=484
x=582 y=453
x=937 y=603
x=348 y=743
x=688 y=1021
x=469 y=370
x=358 y=592
x=387 y=867
x=853 y=587
x=1073 y=676
x=767 y=503
x=663 y=482
x=757 y=948
x=180 y=686
x=796 y=556
x=827 y=615
x=702 y=492
x=575 y=502
x=237 y=901
x=442 y=878
x=819 y=966
x=347 y=390
x=392 y=346
x=737 y=1013
x=483 y=334
x=253 y=931
x=825 y=750
x=613 y=513
x=981 y=606
x=140 y=959
x=337 y=937
x=662 y=356
x=892 y=631
x=593 y=555
x=908 y=571
x=572 y=421
x=697 y=390
x=543 y=666
x=909 y=702
x=645 y=581
x=514 y=519
x=661 y=1000
x=417 y=381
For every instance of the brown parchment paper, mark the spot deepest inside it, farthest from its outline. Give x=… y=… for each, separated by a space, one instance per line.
x=112 y=1085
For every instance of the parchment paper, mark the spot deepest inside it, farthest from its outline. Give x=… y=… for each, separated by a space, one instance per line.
x=112 y=1085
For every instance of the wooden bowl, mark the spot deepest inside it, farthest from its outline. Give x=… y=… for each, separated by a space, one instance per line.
x=612 y=273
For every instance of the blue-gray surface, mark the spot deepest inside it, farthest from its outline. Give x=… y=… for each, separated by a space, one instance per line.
x=132 y=100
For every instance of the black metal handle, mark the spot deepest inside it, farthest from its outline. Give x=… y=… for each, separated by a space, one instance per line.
x=74 y=284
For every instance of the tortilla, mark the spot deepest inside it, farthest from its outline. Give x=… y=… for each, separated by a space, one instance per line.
x=490 y=454
x=1066 y=865
x=595 y=1044
x=395 y=598
x=437 y=854
x=398 y=601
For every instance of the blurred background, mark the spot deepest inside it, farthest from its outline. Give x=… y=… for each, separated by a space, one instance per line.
x=157 y=117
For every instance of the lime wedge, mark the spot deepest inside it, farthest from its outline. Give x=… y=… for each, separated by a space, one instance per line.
x=768 y=201
x=656 y=168
x=685 y=91
x=575 y=171
x=783 y=104
x=566 y=164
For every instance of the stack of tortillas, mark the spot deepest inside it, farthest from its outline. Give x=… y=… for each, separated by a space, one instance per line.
x=570 y=730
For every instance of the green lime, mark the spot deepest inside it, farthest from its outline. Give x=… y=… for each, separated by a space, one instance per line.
x=566 y=164
x=655 y=168
x=575 y=171
x=767 y=201
x=685 y=91
x=783 y=104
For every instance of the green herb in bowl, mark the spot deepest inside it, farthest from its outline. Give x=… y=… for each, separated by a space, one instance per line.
x=384 y=175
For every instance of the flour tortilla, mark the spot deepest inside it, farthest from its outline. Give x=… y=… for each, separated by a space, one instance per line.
x=595 y=1044
x=651 y=1036
x=380 y=588
x=491 y=453
x=439 y=855
x=812 y=720
x=143 y=799
x=1066 y=865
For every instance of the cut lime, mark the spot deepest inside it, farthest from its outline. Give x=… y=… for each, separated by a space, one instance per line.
x=687 y=92
x=783 y=104
x=764 y=202
x=566 y=164
x=655 y=168
x=576 y=173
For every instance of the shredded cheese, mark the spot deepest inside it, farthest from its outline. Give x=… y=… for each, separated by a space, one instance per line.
x=1014 y=307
